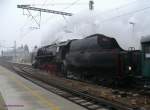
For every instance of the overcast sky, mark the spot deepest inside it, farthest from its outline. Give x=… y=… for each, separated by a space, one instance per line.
x=14 y=26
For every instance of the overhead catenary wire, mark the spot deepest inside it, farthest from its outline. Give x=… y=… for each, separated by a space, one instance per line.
x=76 y=1
x=72 y=4
x=120 y=7
x=67 y=7
x=102 y=12
x=125 y=14
x=43 y=4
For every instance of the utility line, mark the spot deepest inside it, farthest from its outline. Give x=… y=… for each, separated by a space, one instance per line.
x=129 y=13
x=63 y=9
x=72 y=4
x=120 y=7
x=44 y=3
x=125 y=14
x=64 y=16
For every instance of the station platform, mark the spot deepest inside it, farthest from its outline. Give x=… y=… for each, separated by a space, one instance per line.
x=21 y=94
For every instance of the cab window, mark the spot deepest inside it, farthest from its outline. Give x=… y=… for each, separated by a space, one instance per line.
x=147 y=51
x=107 y=43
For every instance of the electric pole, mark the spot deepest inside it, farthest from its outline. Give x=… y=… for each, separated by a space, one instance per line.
x=2 y=53
x=15 y=55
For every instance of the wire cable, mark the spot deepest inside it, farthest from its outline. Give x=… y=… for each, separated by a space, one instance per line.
x=125 y=14
x=122 y=6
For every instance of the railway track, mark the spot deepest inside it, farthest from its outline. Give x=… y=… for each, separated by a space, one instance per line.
x=79 y=97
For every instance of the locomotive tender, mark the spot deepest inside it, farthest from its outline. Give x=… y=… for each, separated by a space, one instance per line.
x=95 y=57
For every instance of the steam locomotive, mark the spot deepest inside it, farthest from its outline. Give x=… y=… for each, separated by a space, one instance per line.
x=96 y=57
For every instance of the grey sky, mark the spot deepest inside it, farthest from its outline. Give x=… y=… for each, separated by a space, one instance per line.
x=15 y=26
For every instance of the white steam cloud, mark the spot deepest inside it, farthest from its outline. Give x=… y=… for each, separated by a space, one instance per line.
x=126 y=27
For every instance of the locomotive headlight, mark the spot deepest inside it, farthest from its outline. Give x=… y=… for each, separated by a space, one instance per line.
x=130 y=68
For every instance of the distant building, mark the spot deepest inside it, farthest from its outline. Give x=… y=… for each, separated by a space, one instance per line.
x=20 y=54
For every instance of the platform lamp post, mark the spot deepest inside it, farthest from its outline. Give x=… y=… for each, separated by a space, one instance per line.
x=15 y=51
x=133 y=26
x=2 y=43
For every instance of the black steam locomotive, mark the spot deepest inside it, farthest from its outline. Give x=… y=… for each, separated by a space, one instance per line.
x=96 y=57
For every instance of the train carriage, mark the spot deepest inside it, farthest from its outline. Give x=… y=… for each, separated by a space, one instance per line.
x=145 y=41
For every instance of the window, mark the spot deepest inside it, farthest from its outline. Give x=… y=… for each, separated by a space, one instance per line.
x=52 y=50
x=76 y=45
x=107 y=43
x=147 y=51
x=57 y=49
x=84 y=44
x=92 y=43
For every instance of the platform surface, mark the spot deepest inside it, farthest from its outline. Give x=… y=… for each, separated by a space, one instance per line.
x=2 y=103
x=21 y=94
